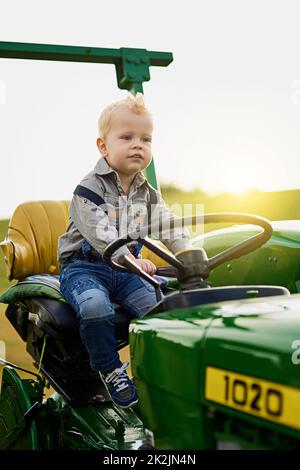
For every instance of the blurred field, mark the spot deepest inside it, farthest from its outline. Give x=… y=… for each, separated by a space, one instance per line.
x=281 y=205
x=284 y=205
x=15 y=347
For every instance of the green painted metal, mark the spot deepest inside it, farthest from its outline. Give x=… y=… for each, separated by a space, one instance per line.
x=251 y=337
x=14 y=403
x=59 y=426
x=254 y=337
x=275 y=263
x=166 y=350
x=132 y=64
x=133 y=69
x=94 y=427
x=151 y=175
x=103 y=427
x=150 y=172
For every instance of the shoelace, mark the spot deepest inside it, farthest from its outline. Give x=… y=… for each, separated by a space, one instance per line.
x=118 y=377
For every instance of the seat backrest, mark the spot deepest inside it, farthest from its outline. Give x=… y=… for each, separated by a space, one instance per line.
x=30 y=246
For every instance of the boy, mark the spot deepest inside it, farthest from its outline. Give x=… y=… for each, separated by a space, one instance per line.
x=88 y=283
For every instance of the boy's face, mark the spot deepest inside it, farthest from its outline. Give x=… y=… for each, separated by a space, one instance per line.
x=127 y=146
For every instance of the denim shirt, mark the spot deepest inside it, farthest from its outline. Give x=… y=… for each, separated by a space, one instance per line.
x=122 y=213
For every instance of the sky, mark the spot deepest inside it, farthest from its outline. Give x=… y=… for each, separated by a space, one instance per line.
x=226 y=111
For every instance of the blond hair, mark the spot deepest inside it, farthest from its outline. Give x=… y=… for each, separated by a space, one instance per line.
x=134 y=103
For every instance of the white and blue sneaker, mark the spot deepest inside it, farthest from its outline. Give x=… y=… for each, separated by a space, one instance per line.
x=121 y=389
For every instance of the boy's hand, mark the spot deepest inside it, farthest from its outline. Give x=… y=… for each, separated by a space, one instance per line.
x=145 y=264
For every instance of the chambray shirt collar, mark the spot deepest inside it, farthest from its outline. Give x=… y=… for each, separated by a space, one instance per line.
x=102 y=168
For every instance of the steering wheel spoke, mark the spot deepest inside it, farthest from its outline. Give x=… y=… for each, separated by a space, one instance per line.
x=162 y=253
x=193 y=264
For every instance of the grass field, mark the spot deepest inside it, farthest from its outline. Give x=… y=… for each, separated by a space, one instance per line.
x=282 y=205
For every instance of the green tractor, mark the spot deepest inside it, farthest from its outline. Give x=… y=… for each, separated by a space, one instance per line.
x=216 y=362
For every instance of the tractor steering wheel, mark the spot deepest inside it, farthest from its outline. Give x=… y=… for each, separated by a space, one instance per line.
x=193 y=263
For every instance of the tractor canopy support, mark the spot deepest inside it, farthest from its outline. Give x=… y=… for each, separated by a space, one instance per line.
x=132 y=65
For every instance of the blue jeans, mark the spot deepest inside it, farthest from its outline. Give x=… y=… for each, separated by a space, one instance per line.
x=90 y=288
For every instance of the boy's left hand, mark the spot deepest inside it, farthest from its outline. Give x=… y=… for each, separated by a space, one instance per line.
x=146 y=265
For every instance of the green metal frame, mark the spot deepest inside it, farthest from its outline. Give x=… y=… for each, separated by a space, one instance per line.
x=132 y=65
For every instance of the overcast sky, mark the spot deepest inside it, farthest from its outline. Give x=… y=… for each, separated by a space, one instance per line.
x=227 y=110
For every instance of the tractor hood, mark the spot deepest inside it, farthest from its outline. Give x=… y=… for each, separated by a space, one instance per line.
x=258 y=337
x=251 y=363
x=182 y=359
x=252 y=336
x=164 y=349
x=277 y=262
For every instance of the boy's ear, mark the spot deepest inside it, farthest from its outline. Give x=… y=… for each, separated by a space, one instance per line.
x=101 y=146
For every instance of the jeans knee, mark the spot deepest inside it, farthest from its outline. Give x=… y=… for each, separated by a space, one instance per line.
x=139 y=302
x=93 y=305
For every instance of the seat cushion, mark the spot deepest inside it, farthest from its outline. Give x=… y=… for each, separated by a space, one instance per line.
x=47 y=308
x=45 y=285
x=58 y=319
x=42 y=285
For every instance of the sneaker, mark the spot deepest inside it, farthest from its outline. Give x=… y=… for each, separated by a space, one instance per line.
x=121 y=389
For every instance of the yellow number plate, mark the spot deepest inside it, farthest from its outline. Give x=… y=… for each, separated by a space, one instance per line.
x=261 y=398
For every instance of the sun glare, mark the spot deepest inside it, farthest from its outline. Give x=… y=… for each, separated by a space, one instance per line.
x=239 y=191
x=238 y=187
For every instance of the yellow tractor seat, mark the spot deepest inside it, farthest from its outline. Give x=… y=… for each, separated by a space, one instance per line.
x=30 y=246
